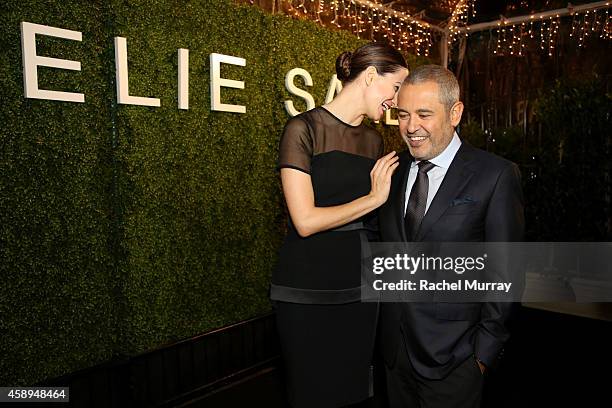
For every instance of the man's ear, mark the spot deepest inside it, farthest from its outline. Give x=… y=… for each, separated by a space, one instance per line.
x=370 y=74
x=455 y=113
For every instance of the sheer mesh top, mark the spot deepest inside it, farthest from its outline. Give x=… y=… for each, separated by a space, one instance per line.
x=318 y=131
x=338 y=157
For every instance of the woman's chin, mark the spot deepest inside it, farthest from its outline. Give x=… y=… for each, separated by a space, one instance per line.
x=380 y=114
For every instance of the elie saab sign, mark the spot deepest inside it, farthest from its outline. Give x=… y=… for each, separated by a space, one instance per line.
x=31 y=62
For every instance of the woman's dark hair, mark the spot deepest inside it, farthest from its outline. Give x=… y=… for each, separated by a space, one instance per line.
x=383 y=57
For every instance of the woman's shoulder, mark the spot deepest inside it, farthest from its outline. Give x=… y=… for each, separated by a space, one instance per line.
x=304 y=120
x=308 y=115
x=299 y=123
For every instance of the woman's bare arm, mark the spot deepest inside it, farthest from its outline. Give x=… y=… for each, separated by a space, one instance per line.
x=309 y=219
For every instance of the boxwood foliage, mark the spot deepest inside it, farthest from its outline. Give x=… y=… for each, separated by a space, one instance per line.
x=126 y=227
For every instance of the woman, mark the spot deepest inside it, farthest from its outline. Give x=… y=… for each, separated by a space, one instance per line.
x=333 y=177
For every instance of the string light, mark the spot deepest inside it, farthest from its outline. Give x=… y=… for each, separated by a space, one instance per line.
x=574 y=25
x=552 y=36
x=521 y=44
x=545 y=31
x=459 y=18
x=320 y=9
x=368 y=18
x=373 y=20
x=542 y=32
x=607 y=27
x=303 y=6
x=513 y=42
x=334 y=7
x=583 y=31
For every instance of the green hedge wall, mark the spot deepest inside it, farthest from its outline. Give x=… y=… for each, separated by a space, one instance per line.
x=126 y=227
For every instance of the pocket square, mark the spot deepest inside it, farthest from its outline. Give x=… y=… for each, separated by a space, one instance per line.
x=462 y=200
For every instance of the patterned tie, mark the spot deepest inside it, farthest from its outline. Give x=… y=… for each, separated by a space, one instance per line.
x=415 y=211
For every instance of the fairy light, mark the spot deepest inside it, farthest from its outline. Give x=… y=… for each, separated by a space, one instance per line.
x=295 y=10
x=511 y=37
x=497 y=49
x=521 y=45
x=605 y=26
x=504 y=34
x=335 y=7
x=371 y=23
x=514 y=34
x=302 y=5
x=345 y=11
x=585 y=29
x=361 y=26
x=542 y=32
x=552 y=36
x=574 y=25
x=516 y=38
x=372 y=19
x=320 y=9
x=459 y=18
x=355 y=20
x=583 y=32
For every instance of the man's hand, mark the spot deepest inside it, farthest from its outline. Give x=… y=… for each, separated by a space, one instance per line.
x=481 y=366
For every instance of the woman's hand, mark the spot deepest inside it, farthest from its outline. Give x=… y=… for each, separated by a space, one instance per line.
x=309 y=219
x=380 y=177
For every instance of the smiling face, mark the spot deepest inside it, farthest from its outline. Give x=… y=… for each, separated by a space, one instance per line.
x=425 y=123
x=381 y=91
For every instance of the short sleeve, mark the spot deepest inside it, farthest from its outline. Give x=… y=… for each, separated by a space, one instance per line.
x=296 y=146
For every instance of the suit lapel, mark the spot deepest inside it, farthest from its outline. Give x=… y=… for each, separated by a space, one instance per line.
x=456 y=178
x=404 y=170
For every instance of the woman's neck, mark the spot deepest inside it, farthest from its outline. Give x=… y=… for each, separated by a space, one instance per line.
x=347 y=106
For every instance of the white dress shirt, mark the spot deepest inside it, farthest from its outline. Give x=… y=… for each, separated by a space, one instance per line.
x=436 y=174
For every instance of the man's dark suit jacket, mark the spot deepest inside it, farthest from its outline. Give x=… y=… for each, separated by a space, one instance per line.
x=480 y=199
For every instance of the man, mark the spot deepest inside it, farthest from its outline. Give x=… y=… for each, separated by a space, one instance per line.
x=444 y=190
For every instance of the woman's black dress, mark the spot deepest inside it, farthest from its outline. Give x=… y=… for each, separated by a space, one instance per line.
x=326 y=332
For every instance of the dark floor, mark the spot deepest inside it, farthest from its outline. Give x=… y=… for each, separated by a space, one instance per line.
x=552 y=360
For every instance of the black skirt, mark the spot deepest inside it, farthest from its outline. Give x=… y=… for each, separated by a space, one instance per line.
x=327 y=350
